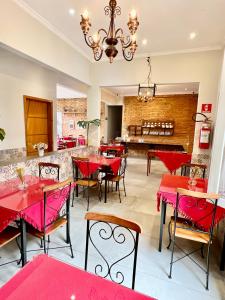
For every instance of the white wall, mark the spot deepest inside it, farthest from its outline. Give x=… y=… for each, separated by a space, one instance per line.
x=19 y=77
x=22 y=32
x=217 y=173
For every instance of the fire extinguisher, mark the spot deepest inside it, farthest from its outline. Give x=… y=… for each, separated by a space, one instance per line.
x=205 y=131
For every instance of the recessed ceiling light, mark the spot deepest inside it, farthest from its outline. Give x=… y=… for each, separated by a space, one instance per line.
x=144 y=42
x=72 y=11
x=185 y=89
x=192 y=35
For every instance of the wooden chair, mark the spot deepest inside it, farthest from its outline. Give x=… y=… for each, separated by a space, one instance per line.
x=206 y=205
x=120 y=176
x=9 y=234
x=86 y=182
x=114 y=229
x=189 y=169
x=54 y=214
x=49 y=170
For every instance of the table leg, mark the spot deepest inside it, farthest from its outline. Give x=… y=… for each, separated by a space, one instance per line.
x=162 y=218
x=106 y=190
x=222 y=260
x=23 y=242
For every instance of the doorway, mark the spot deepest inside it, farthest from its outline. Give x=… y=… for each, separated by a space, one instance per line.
x=114 y=121
x=38 y=114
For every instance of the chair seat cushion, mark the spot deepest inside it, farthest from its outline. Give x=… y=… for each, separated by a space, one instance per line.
x=8 y=234
x=86 y=182
x=112 y=178
x=50 y=229
x=186 y=230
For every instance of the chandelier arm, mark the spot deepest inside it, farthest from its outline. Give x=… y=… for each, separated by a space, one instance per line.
x=88 y=40
x=117 y=31
x=104 y=31
x=127 y=43
x=97 y=55
x=128 y=56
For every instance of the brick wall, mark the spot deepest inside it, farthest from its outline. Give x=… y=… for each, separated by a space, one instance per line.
x=179 y=108
x=73 y=110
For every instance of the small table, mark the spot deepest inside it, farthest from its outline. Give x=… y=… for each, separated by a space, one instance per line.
x=99 y=161
x=47 y=278
x=15 y=202
x=171 y=159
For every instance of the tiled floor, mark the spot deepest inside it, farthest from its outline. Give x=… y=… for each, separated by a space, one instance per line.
x=152 y=268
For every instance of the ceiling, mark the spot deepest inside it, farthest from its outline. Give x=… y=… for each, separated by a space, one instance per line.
x=162 y=89
x=166 y=24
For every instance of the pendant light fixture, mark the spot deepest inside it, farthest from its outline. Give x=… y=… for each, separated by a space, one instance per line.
x=146 y=91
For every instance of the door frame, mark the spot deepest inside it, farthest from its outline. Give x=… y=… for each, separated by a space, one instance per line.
x=26 y=98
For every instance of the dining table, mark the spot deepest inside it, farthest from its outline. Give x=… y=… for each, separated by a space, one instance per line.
x=98 y=162
x=167 y=194
x=46 y=278
x=172 y=160
x=21 y=202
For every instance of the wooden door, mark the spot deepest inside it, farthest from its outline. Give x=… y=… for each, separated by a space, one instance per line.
x=38 y=123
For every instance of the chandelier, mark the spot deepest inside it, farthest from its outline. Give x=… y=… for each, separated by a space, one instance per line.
x=107 y=41
x=146 y=91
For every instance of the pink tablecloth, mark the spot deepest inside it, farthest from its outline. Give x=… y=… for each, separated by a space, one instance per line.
x=95 y=162
x=46 y=278
x=172 y=159
x=27 y=203
x=199 y=211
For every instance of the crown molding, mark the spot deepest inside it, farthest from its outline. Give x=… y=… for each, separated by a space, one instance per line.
x=165 y=53
x=51 y=27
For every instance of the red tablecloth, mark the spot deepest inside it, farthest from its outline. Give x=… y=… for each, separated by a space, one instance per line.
x=27 y=203
x=105 y=148
x=95 y=162
x=201 y=216
x=46 y=278
x=172 y=159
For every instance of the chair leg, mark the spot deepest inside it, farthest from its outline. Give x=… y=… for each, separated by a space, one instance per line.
x=207 y=268
x=119 y=191
x=44 y=241
x=124 y=188
x=73 y=197
x=41 y=243
x=88 y=199
x=172 y=254
x=169 y=232
x=202 y=251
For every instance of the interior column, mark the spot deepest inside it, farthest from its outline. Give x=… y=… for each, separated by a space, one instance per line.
x=94 y=112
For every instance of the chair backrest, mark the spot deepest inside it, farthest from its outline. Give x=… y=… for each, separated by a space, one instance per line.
x=48 y=170
x=118 y=230
x=199 y=209
x=123 y=165
x=55 y=196
x=193 y=170
x=114 y=152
